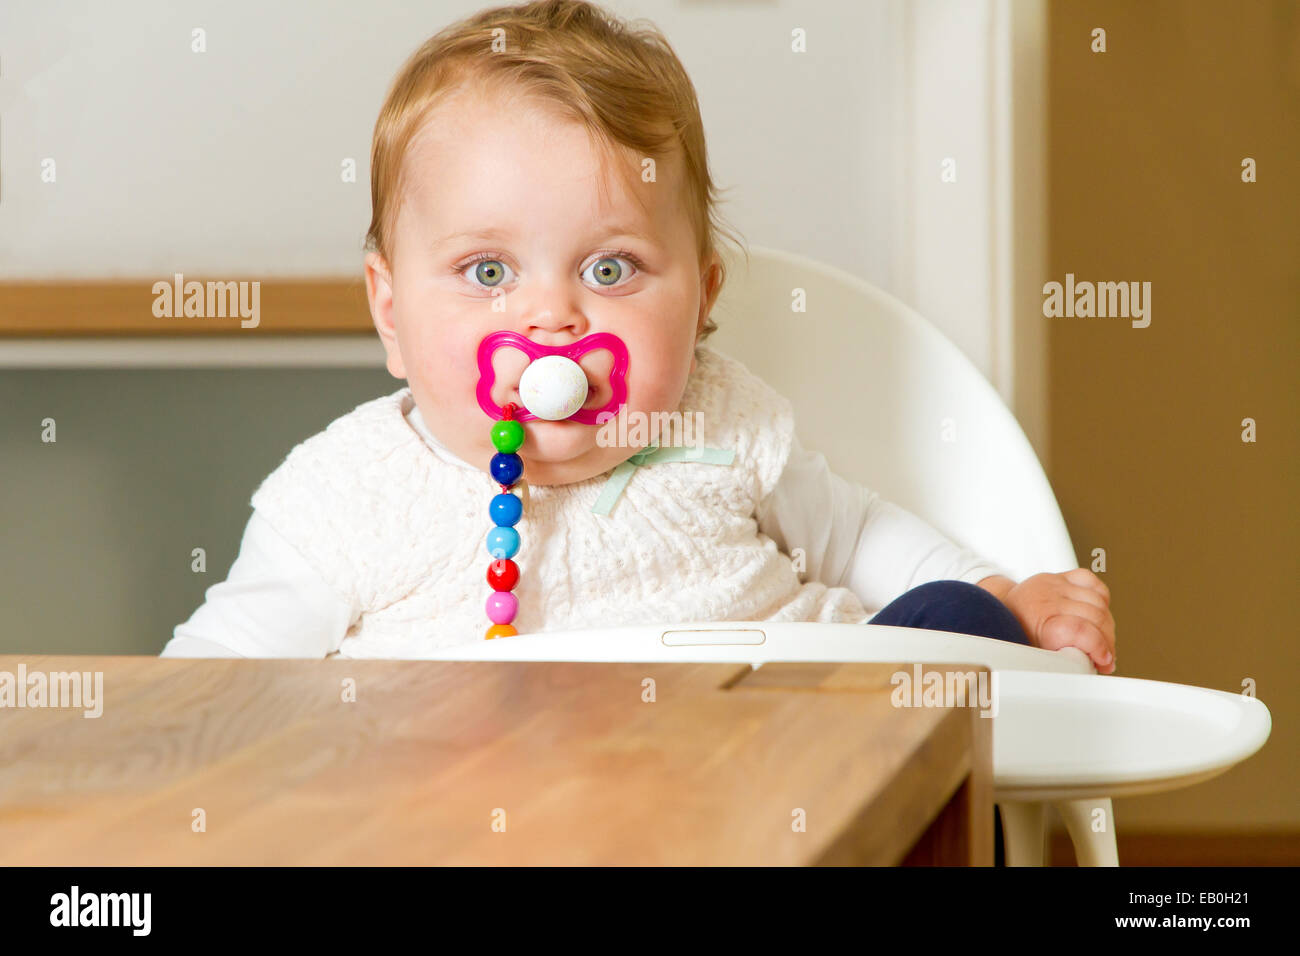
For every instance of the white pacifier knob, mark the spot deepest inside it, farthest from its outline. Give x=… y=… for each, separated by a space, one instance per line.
x=553 y=387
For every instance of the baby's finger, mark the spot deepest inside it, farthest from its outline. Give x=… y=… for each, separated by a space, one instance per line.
x=1090 y=609
x=1069 y=630
x=1084 y=595
x=1085 y=578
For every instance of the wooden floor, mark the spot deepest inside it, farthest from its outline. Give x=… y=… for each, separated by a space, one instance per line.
x=1179 y=848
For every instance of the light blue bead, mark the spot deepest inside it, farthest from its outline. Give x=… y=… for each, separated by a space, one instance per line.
x=503 y=542
x=505 y=509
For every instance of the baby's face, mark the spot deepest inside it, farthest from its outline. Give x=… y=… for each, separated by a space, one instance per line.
x=502 y=194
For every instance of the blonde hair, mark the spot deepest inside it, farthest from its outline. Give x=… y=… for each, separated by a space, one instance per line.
x=624 y=84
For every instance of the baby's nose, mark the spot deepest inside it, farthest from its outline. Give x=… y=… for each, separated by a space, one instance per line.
x=556 y=327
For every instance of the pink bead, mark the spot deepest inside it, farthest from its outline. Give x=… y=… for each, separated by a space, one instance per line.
x=502 y=606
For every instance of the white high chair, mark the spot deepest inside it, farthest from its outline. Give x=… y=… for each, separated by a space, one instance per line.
x=931 y=434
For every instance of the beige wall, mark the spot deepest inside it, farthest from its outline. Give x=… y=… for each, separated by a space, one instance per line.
x=1200 y=529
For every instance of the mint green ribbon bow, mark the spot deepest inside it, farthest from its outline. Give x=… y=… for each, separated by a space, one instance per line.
x=652 y=455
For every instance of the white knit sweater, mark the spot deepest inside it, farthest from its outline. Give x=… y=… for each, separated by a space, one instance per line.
x=400 y=532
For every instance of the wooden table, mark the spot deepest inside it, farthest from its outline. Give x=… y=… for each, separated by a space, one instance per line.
x=229 y=762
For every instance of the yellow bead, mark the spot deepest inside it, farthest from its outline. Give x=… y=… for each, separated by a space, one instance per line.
x=500 y=630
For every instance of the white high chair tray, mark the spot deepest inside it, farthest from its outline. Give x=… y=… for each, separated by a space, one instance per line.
x=1072 y=736
x=1061 y=731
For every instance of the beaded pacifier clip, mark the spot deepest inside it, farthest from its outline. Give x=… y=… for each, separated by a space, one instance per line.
x=552 y=388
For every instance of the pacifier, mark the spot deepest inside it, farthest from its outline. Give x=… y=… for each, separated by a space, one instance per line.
x=551 y=385
x=552 y=388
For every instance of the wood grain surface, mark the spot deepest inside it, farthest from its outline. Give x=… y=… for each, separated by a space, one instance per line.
x=125 y=307
x=490 y=763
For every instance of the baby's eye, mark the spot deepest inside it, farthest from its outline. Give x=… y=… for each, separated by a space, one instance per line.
x=608 y=270
x=489 y=272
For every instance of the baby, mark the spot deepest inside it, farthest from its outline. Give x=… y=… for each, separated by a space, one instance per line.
x=542 y=170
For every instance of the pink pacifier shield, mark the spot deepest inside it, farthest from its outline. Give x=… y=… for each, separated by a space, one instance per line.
x=600 y=340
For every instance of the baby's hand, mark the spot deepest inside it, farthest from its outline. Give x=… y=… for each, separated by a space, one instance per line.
x=1067 y=610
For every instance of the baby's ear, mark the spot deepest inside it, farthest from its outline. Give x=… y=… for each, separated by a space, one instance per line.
x=379 y=292
x=710 y=285
x=379 y=283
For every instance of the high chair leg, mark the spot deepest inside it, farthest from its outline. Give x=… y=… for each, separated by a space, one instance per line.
x=1023 y=828
x=1091 y=824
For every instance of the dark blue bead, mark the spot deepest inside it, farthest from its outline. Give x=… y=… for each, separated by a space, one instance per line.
x=506 y=468
x=505 y=509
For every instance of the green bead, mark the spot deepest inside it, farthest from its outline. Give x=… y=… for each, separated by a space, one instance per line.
x=507 y=436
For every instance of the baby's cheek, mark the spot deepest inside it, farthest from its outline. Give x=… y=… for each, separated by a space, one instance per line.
x=660 y=389
x=449 y=385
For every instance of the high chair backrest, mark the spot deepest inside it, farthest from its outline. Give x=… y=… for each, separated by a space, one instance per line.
x=893 y=405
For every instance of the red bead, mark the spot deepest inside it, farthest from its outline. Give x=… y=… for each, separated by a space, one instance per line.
x=503 y=574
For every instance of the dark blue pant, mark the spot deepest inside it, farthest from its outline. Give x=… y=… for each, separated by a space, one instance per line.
x=966 y=609
x=953 y=606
